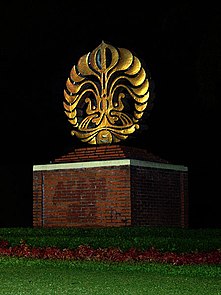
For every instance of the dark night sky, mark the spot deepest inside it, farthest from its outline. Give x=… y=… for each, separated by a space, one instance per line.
x=180 y=44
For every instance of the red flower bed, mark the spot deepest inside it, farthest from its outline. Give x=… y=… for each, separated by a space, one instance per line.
x=110 y=254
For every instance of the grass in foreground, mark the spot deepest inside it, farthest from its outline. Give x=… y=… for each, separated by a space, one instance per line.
x=142 y=237
x=36 y=277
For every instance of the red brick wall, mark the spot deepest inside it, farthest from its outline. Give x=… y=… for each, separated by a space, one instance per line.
x=37 y=198
x=158 y=197
x=82 y=197
x=107 y=152
x=110 y=196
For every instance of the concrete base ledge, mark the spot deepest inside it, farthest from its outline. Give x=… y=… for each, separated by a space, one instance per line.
x=109 y=163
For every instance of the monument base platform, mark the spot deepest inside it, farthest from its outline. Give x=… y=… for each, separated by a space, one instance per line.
x=130 y=187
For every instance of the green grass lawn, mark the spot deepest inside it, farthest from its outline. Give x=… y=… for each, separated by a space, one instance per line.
x=26 y=276
x=143 y=237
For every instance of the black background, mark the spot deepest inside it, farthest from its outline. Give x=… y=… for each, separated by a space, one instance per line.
x=180 y=44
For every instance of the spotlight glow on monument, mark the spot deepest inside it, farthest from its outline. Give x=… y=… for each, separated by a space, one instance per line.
x=106 y=95
x=109 y=185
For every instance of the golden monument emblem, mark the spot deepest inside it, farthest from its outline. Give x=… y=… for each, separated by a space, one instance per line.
x=106 y=95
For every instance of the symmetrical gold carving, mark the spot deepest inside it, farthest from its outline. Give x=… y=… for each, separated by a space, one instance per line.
x=106 y=95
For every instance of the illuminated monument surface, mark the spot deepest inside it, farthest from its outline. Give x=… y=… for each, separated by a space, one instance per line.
x=105 y=183
x=106 y=95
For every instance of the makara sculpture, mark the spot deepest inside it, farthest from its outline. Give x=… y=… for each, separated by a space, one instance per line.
x=106 y=95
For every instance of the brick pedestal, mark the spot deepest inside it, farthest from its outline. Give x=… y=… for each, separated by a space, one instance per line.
x=110 y=186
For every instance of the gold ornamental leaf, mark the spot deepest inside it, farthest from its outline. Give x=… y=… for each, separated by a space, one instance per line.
x=142 y=99
x=69 y=114
x=138 y=115
x=74 y=121
x=125 y=61
x=69 y=108
x=135 y=68
x=142 y=89
x=73 y=88
x=66 y=107
x=139 y=79
x=84 y=68
x=69 y=98
x=140 y=107
x=74 y=75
